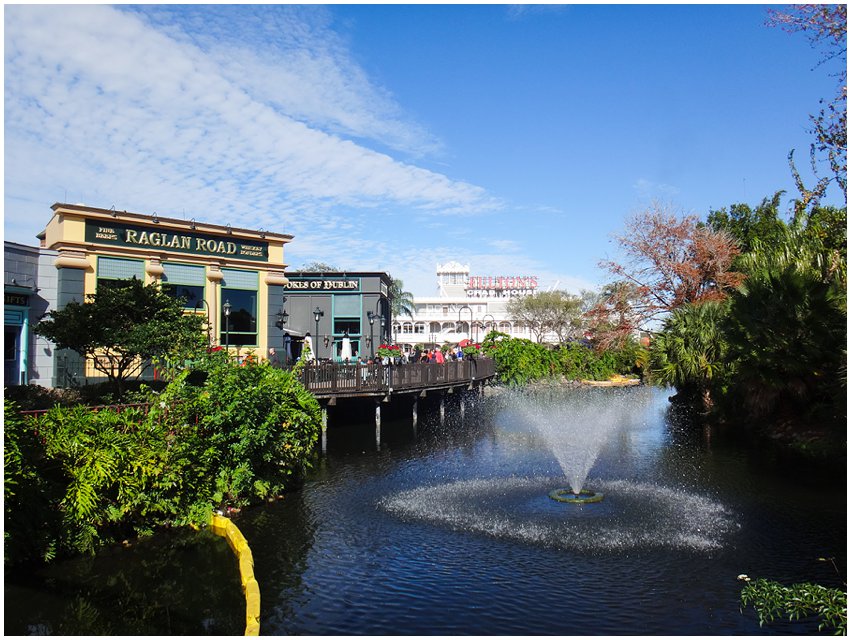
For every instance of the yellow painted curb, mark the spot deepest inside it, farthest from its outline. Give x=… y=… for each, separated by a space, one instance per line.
x=223 y=527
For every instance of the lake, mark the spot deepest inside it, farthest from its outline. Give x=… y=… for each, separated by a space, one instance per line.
x=449 y=530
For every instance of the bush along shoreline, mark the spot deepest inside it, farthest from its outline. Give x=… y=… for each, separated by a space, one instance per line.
x=218 y=436
x=520 y=361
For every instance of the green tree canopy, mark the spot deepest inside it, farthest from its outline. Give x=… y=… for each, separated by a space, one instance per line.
x=122 y=327
x=548 y=311
x=322 y=267
x=746 y=225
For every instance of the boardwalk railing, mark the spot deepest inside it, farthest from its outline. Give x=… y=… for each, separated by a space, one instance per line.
x=332 y=379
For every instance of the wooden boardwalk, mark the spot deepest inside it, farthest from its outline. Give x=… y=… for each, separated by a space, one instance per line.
x=329 y=381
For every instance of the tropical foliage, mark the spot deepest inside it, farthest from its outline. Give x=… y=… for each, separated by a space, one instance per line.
x=401 y=301
x=691 y=351
x=76 y=479
x=777 y=347
x=787 y=329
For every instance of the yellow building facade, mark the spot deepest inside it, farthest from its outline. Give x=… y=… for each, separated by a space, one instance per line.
x=211 y=267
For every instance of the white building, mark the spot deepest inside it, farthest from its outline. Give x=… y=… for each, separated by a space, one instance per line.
x=466 y=307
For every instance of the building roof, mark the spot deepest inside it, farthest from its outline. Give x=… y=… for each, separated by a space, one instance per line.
x=154 y=217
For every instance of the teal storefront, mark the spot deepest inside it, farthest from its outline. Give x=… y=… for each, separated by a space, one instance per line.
x=16 y=336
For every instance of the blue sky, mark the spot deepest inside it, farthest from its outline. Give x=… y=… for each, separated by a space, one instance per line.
x=513 y=138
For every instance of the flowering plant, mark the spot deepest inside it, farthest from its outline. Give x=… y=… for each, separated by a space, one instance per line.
x=389 y=351
x=472 y=350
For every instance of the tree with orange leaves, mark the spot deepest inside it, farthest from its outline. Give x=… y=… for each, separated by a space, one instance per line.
x=670 y=260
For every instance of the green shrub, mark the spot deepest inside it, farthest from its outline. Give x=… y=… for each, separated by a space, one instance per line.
x=519 y=361
x=255 y=423
x=76 y=479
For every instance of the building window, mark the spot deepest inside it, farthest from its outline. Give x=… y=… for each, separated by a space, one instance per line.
x=10 y=345
x=407 y=327
x=118 y=271
x=419 y=327
x=239 y=289
x=347 y=312
x=434 y=327
x=185 y=282
x=355 y=349
x=346 y=325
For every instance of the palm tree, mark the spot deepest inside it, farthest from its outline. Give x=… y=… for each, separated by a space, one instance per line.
x=788 y=328
x=401 y=301
x=691 y=351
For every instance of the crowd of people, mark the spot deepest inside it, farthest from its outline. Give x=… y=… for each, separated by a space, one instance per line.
x=418 y=355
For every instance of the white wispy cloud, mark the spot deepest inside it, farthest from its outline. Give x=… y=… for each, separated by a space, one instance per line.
x=504 y=246
x=517 y=11
x=649 y=190
x=141 y=111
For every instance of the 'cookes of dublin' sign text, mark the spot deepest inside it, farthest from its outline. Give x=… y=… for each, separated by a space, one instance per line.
x=154 y=238
x=323 y=284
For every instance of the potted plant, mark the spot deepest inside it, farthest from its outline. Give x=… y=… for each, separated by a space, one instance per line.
x=392 y=351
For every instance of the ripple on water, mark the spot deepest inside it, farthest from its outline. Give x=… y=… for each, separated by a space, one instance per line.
x=633 y=515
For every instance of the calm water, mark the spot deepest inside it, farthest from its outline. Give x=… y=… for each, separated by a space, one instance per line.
x=450 y=531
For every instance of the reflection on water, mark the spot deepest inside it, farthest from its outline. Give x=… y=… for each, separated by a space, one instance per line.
x=450 y=531
x=173 y=584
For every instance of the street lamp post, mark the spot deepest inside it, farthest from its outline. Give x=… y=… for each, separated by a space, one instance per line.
x=493 y=320
x=282 y=320
x=282 y=315
x=317 y=313
x=226 y=308
x=471 y=318
x=371 y=317
x=379 y=315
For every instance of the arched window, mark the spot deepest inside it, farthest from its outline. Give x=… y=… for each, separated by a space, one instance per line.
x=419 y=327
x=505 y=327
x=434 y=327
x=448 y=327
x=407 y=327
